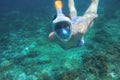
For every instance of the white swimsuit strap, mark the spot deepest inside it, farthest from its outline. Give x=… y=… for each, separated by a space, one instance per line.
x=77 y=19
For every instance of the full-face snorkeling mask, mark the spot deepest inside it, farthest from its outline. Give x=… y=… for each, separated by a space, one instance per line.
x=61 y=24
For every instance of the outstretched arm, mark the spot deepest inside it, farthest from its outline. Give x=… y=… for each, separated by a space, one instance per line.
x=71 y=5
x=90 y=15
x=92 y=10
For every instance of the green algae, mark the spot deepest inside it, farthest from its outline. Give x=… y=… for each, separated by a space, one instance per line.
x=28 y=54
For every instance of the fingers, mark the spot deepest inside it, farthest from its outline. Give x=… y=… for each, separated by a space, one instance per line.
x=95 y=1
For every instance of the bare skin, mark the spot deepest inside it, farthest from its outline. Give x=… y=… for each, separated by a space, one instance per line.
x=79 y=29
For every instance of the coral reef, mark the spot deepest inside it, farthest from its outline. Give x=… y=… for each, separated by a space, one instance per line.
x=26 y=53
x=96 y=64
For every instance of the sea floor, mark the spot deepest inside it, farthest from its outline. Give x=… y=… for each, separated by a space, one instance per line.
x=26 y=53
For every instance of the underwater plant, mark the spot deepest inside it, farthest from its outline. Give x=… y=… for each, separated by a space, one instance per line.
x=96 y=64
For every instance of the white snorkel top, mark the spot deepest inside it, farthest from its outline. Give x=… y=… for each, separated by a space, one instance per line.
x=61 y=24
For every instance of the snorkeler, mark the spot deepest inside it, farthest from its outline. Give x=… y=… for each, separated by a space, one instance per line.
x=69 y=31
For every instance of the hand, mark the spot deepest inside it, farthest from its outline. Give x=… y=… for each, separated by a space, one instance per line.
x=95 y=1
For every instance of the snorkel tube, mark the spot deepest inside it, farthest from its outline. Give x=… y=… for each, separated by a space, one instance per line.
x=61 y=24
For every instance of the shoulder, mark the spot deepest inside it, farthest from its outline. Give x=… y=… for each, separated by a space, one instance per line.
x=79 y=25
x=52 y=36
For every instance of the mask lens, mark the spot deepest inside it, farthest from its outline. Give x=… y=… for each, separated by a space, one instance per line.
x=62 y=29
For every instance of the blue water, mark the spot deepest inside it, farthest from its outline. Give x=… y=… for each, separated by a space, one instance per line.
x=26 y=53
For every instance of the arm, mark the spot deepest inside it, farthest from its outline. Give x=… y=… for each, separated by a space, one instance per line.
x=92 y=10
x=71 y=6
x=89 y=16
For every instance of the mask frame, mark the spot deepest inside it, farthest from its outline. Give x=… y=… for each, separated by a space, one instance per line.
x=61 y=18
x=58 y=36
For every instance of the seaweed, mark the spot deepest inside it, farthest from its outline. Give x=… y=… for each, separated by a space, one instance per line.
x=96 y=64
